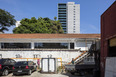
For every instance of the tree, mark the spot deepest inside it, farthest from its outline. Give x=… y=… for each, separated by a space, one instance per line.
x=6 y=20
x=40 y=25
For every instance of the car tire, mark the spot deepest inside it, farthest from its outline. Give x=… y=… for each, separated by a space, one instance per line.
x=29 y=73
x=72 y=73
x=5 y=72
x=14 y=74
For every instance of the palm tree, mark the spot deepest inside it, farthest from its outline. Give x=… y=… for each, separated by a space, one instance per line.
x=55 y=18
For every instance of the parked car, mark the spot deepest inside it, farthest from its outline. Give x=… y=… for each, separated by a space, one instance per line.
x=6 y=65
x=24 y=67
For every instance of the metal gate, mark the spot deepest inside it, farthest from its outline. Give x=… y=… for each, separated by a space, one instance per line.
x=48 y=65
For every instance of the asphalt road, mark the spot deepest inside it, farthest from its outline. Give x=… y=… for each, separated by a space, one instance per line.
x=37 y=74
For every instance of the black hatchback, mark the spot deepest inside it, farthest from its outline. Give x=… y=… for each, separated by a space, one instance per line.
x=24 y=67
x=6 y=66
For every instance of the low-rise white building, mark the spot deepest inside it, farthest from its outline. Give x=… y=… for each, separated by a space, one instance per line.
x=18 y=23
x=61 y=46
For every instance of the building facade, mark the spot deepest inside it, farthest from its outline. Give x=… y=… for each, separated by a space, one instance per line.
x=60 y=46
x=69 y=16
x=108 y=40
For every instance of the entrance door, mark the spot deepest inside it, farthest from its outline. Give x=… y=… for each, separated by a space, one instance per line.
x=45 y=65
x=51 y=65
x=48 y=65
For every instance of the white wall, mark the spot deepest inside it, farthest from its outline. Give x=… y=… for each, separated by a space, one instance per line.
x=65 y=55
x=110 y=68
x=84 y=46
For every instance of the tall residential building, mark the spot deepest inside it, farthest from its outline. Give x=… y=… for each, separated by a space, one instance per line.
x=69 y=16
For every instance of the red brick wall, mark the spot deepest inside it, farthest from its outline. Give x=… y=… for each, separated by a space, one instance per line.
x=108 y=30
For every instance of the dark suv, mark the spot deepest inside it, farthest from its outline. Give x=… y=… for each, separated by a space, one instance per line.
x=6 y=66
x=24 y=67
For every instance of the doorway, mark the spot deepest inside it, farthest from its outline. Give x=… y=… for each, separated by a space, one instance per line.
x=48 y=65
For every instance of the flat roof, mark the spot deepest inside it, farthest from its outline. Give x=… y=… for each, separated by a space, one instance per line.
x=49 y=36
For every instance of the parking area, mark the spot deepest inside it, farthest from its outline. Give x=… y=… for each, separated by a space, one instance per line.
x=37 y=74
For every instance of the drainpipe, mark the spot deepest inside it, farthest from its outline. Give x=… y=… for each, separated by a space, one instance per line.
x=32 y=45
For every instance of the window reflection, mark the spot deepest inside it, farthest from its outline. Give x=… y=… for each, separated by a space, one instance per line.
x=52 y=45
x=15 y=45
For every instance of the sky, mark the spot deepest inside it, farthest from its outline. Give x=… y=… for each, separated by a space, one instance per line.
x=90 y=11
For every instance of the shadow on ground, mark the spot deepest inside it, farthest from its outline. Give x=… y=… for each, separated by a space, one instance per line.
x=76 y=75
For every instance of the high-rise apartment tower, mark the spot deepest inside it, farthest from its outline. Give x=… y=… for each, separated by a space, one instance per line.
x=69 y=16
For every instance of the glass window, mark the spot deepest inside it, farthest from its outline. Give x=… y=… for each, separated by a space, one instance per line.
x=71 y=45
x=22 y=63
x=15 y=45
x=52 y=45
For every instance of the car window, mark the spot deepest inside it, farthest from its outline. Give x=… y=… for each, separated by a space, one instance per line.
x=1 y=61
x=12 y=61
x=6 y=61
x=30 y=63
x=22 y=63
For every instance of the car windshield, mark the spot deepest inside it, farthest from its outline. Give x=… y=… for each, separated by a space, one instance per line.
x=22 y=63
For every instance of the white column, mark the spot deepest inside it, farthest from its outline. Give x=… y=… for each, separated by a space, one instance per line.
x=74 y=44
x=68 y=45
x=0 y=45
x=32 y=45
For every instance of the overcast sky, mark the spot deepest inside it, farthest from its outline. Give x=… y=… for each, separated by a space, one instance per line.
x=90 y=11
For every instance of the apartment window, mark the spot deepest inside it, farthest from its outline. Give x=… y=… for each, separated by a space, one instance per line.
x=15 y=45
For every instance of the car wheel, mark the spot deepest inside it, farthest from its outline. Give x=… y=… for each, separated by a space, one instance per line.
x=14 y=74
x=72 y=73
x=5 y=72
x=36 y=69
x=29 y=73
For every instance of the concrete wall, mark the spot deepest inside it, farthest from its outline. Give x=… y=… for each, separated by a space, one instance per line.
x=110 y=68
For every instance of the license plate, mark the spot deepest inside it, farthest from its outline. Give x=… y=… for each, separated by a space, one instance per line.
x=19 y=70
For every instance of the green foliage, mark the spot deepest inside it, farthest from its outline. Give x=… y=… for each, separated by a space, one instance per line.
x=6 y=20
x=40 y=25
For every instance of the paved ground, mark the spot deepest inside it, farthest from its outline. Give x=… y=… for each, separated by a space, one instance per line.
x=37 y=74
